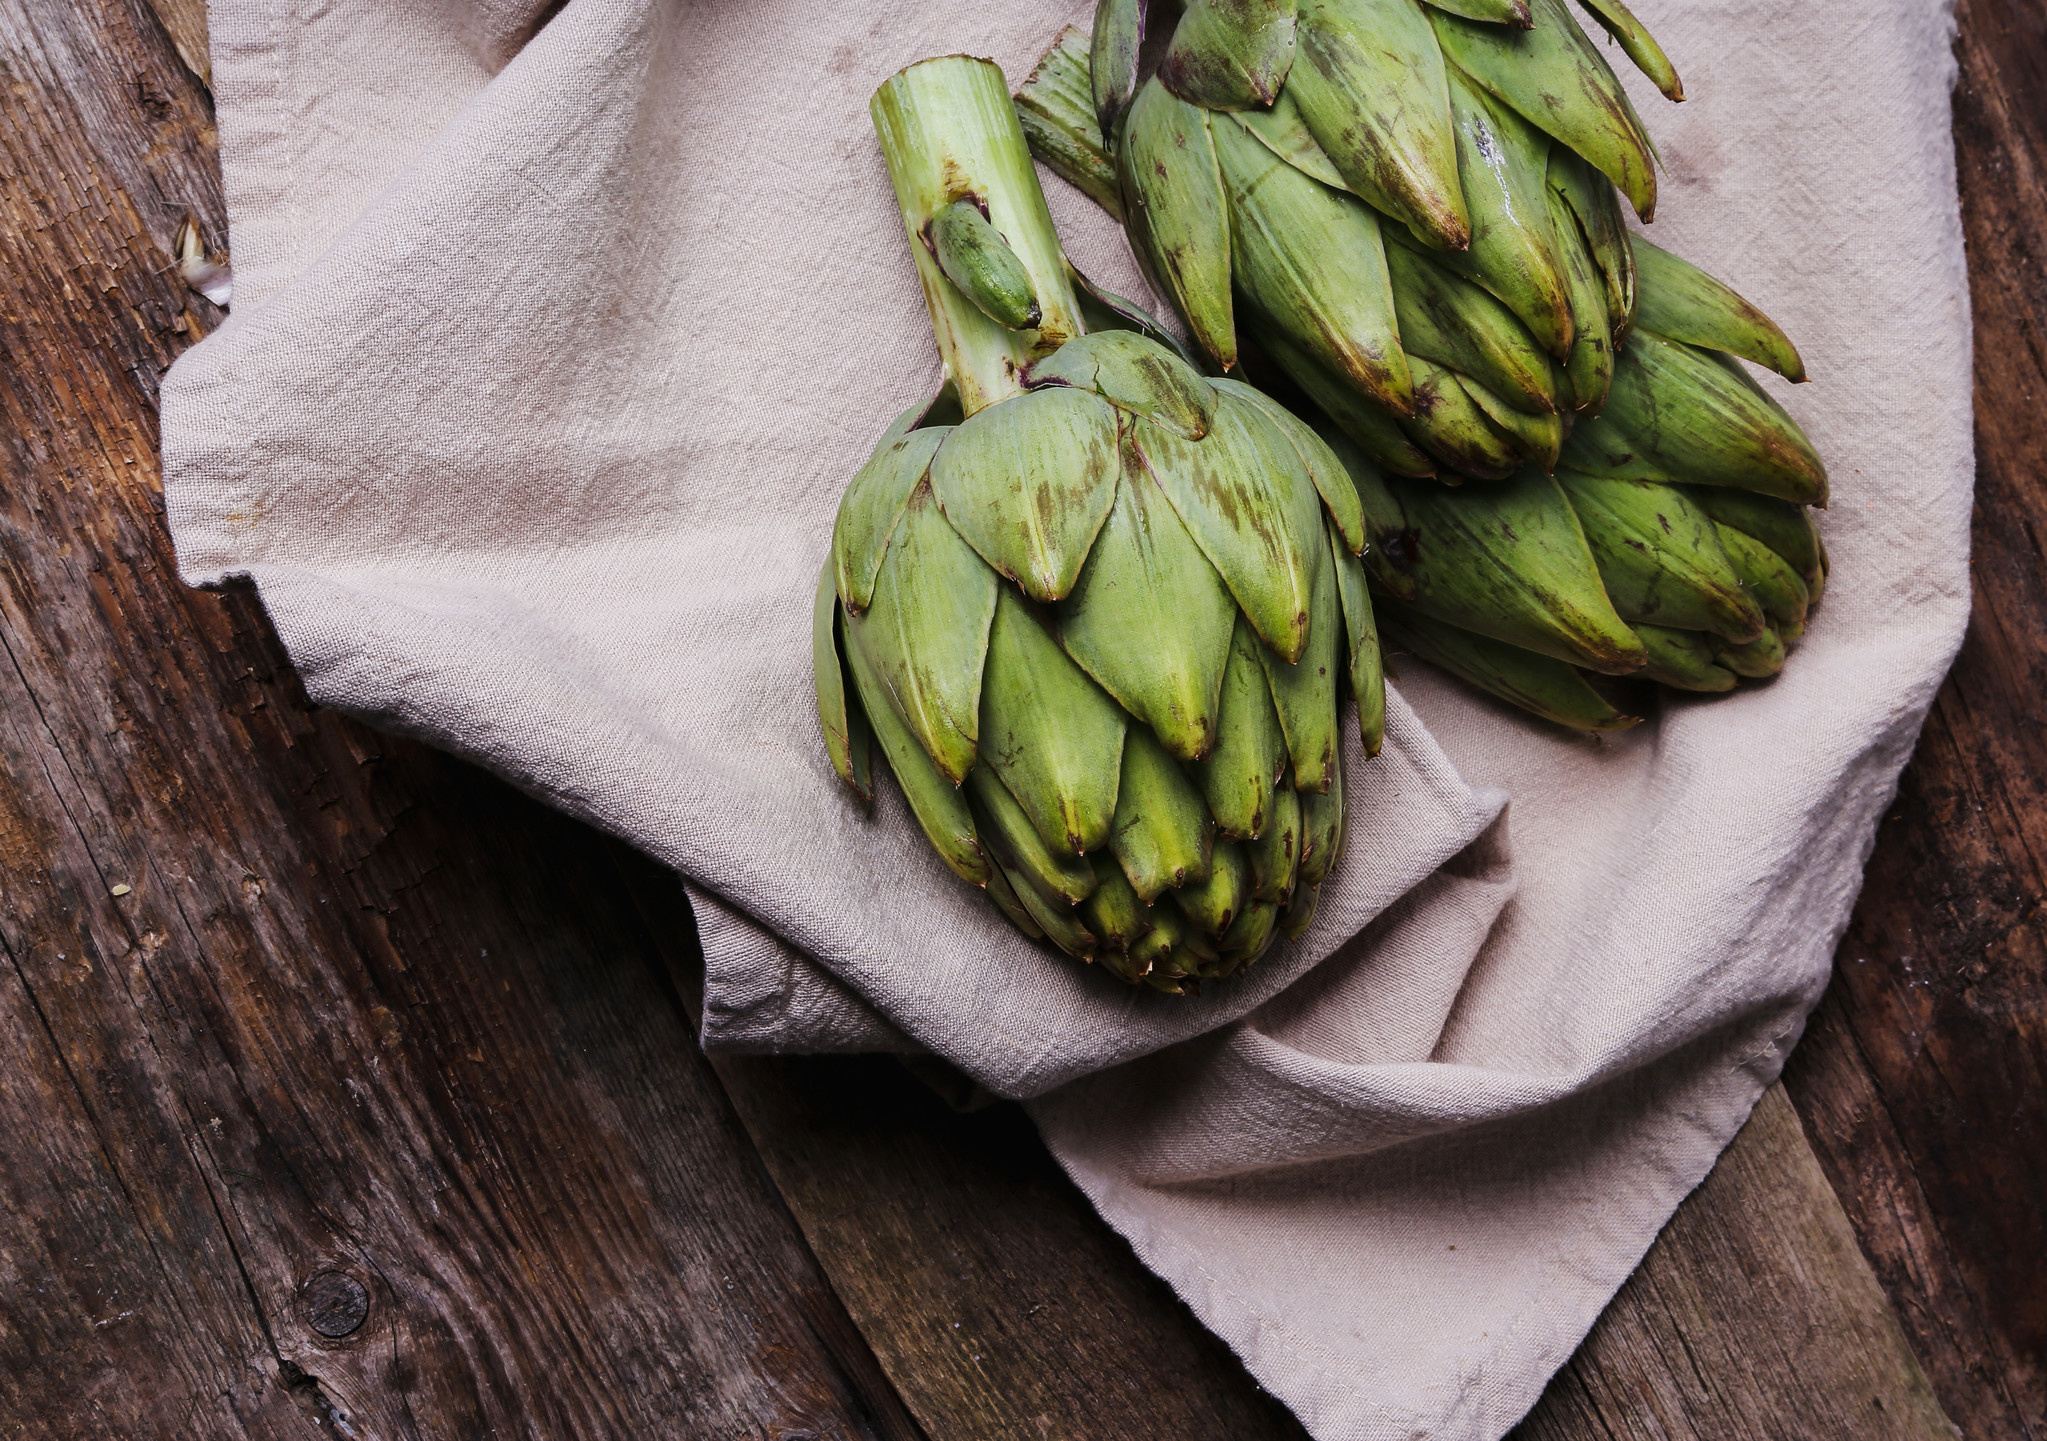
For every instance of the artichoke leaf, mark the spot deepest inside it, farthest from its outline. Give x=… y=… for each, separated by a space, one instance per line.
x=1538 y=683
x=1684 y=659
x=873 y=503
x=1370 y=82
x=1679 y=301
x=1176 y=214
x=1452 y=426
x=1304 y=692
x=1117 y=917
x=1011 y=905
x=1495 y=12
x=936 y=802
x=1460 y=325
x=1028 y=483
x=1638 y=44
x=1239 y=492
x=1275 y=855
x=1505 y=163
x=1510 y=561
x=1300 y=912
x=927 y=632
x=1056 y=107
x=1386 y=548
x=1596 y=206
x=1374 y=430
x=1016 y=845
x=1770 y=578
x=1151 y=620
x=1105 y=310
x=1782 y=525
x=846 y=737
x=1323 y=823
x=1061 y=924
x=1051 y=734
x=1248 y=936
x=1758 y=659
x=1134 y=374
x=1677 y=413
x=1313 y=262
x=1536 y=438
x=1163 y=834
x=1159 y=955
x=1361 y=645
x=1112 y=60
x=1661 y=557
x=1210 y=904
x=1238 y=776
x=1230 y=54
x=1588 y=370
x=1284 y=131
x=1339 y=494
x=1552 y=75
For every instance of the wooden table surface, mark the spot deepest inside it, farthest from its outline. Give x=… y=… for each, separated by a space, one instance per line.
x=346 y=1091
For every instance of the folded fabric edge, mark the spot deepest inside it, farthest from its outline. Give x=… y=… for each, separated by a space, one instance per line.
x=336 y=632
x=762 y=996
x=1320 y=1385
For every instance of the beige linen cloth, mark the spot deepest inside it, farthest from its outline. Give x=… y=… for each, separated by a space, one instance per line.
x=550 y=354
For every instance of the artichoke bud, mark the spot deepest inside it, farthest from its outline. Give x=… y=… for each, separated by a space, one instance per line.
x=1098 y=629
x=976 y=258
x=1413 y=213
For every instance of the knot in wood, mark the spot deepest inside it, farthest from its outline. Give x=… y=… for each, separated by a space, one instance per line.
x=336 y=1303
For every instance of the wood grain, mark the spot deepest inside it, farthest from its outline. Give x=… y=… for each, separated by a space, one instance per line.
x=1753 y=1318
x=342 y=1084
x=340 y=1091
x=1923 y=1077
x=1000 y=1303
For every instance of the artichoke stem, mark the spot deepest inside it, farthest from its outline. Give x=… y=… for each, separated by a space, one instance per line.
x=949 y=132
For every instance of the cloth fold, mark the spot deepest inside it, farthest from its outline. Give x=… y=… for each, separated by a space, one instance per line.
x=558 y=332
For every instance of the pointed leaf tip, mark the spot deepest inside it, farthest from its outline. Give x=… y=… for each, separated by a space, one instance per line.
x=1028 y=483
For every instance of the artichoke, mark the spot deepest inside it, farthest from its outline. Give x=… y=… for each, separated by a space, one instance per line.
x=1410 y=220
x=1098 y=609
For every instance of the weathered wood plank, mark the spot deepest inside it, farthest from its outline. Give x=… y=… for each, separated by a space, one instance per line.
x=1004 y=1308
x=999 y=1302
x=338 y=1084
x=1923 y=1078
x=1753 y=1318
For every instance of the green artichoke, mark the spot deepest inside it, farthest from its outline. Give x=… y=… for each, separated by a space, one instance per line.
x=1408 y=219
x=1098 y=609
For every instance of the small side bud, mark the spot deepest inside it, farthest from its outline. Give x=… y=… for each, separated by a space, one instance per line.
x=976 y=258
